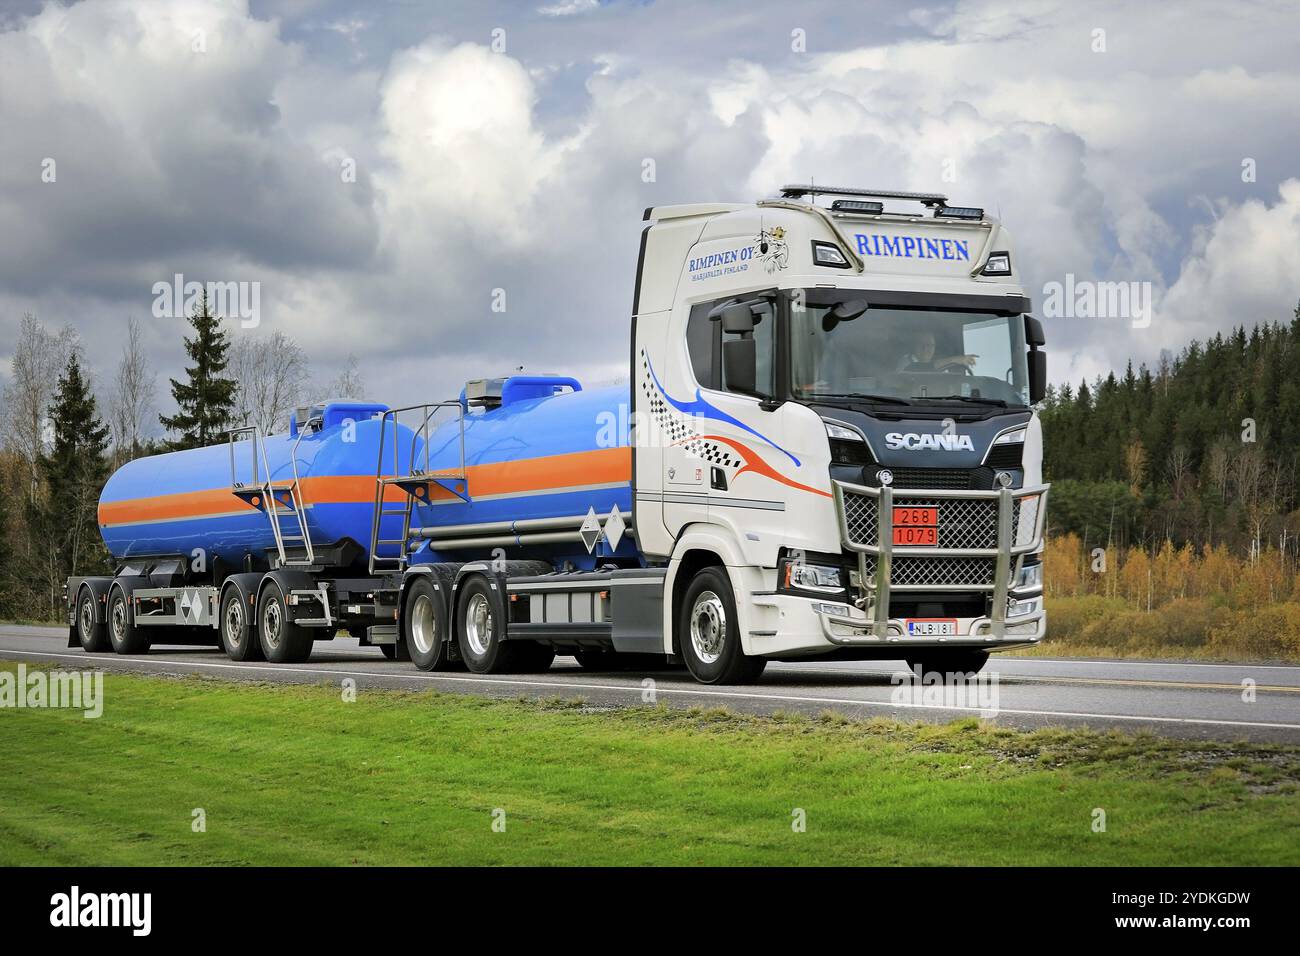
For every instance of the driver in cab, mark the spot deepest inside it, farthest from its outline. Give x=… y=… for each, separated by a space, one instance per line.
x=922 y=358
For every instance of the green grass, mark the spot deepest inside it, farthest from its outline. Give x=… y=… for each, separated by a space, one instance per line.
x=294 y=775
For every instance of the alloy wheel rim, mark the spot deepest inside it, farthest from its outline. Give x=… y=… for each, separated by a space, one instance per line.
x=87 y=618
x=234 y=622
x=424 y=627
x=271 y=622
x=708 y=627
x=478 y=624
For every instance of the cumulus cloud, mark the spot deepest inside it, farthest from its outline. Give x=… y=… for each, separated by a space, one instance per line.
x=523 y=172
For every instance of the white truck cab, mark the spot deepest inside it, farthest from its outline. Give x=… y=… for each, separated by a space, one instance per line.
x=833 y=394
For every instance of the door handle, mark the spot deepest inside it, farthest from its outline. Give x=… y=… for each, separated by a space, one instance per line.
x=717 y=479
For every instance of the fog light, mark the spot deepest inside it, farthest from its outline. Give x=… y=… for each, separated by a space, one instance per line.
x=1021 y=608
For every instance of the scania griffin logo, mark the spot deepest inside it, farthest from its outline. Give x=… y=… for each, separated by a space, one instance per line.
x=916 y=441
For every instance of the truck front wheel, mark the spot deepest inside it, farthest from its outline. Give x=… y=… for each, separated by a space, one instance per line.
x=283 y=641
x=709 y=632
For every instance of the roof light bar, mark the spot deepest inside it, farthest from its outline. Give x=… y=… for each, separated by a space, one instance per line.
x=797 y=190
x=959 y=212
x=858 y=206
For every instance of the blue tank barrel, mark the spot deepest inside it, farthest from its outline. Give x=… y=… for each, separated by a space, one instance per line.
x=179 y=502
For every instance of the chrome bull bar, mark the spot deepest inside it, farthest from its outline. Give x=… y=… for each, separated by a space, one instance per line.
x=980 y=535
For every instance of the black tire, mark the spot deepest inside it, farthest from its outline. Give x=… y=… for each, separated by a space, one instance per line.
x=949 y=660
x=425 y=624
x=283 y=641
x=93 y=635
x=709 y=632
x=126 y=637
x=238 y=640
x=479 y=627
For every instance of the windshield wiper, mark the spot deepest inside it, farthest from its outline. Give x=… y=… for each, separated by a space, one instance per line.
x=865 y=396
x=976 y=399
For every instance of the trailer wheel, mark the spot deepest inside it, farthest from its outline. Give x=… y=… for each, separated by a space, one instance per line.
x=949 y=660
x=93 y=635
x=283 y=641
x=238 y=640
x=424 y=624
x=480 y=626
x=709 y=629
x=127 y=638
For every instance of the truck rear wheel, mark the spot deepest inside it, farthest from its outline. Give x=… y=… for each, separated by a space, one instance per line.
x=949 y=660
x=92 y=635
x=127 y=638
x=480 y=627
x=283 y=641
x=238 y=640
x=424 y=624
x=709 y=632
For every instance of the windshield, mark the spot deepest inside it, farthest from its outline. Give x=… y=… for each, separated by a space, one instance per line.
x=911 y=355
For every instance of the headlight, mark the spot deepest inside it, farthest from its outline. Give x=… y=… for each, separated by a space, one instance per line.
x=999 y=264
x=796 y=573
x=1030 y=578
x=1016 y=437
x=842 y=433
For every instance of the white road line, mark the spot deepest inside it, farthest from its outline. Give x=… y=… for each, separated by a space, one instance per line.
x=1085 y=661
x=692 y=691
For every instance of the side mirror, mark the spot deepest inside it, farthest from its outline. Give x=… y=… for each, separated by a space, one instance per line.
x=1034 y=332
x=740 y=364
x=738 y=318
x=1037 y=376
x=850 y=309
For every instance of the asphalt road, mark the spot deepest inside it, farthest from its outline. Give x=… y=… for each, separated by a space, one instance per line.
x=1183 y=699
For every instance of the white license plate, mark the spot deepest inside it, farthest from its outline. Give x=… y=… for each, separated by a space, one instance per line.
x=931 y=626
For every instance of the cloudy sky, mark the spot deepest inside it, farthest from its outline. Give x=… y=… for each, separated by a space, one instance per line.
x=500 y=144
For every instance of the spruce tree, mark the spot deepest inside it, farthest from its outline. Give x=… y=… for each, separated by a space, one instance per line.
x=74 y=470
x=205 y=402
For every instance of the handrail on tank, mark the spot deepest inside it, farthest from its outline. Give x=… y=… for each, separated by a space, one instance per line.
x=427 y=411
x=268 y=488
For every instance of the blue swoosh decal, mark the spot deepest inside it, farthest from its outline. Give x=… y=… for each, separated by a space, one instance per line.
x=702 y=407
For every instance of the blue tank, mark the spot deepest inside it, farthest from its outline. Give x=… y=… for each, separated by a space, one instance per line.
x=175 y=503
x=535 y=464
x=537 y=458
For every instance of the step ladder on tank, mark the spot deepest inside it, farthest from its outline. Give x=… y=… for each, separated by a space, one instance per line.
x=280 y=500
x=413 y=475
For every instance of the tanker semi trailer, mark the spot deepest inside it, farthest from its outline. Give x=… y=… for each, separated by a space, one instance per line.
x=827 y=449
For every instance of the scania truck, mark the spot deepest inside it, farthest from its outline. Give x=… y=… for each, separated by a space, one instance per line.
x=827 y=449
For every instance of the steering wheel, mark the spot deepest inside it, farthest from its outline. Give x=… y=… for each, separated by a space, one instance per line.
x=958 y=368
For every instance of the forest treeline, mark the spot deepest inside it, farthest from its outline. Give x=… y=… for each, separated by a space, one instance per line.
x=65 y=430
x=1201 y=451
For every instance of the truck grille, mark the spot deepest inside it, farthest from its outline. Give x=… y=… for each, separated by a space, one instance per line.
x=964 y=523
x=937 y=572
